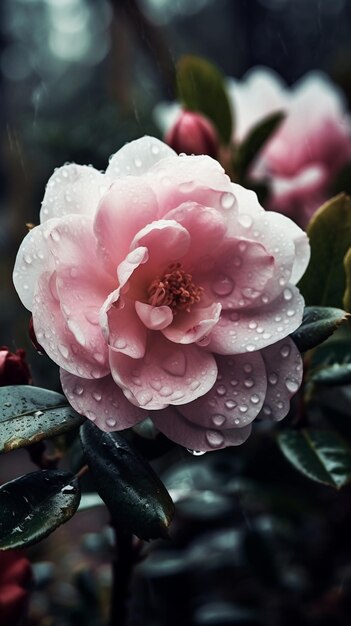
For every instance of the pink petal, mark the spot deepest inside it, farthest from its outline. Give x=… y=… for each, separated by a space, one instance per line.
x=137 y=157
x=73 y=189
x=284 y=369
x=240 y=275
x=168 y=373
x=236 y=398
x=101 y=401
x=154 y=317
x=200 y=179
x=204 y=224
x=193 y=326
x=124 y=210
x=55 y=337
x=122 y=328
x=249 y=330
x=187 y=434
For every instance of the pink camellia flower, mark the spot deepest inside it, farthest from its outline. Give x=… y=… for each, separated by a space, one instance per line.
x=162 y=289
x=309 y=148
x=193 y=133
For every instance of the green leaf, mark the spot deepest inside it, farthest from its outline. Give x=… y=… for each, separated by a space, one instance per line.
x=32 y=506
x=335 y=374
x=318 y=323
x=320 y=455
x=347 y=293
x=133 y=493
x=201 y=88
x=29 y=414
x=329 y=230
x=253 y=143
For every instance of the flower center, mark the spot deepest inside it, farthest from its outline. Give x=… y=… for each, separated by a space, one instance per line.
x=174 y=289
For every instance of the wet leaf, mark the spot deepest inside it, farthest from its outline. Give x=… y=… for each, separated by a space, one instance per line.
x=335 y=374
x=29 y=414
x=329 y=230
x=317 y=325
x=201 y=88
x=132 y=491
x=32 y=506
x=347 y=293
x=320 y=455
x=253 y=143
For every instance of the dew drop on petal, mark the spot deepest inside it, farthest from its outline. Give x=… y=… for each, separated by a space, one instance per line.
x=175 y=364
x=249 y=382
x=221 y=390
x=218 y=420
x=255 y=399
x=273 y=378
x=78 y=390
x=222 y=285
x=243 y=408
x=250 y=347
x=245 y=220
x=230 y=404
x=287 y=294
x=214 y=438
x=291 y=385
x=195 y=452
x=285 y=351
x=97 y=396
x=64 y=350
x=227 y=200
x=111 y=422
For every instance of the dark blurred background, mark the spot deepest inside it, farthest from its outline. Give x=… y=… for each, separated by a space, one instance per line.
x=253 y=543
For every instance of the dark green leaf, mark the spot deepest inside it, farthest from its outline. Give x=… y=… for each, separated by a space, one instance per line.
x=133 y=493
x=201 y=88
x=318 y=324
x=336 y=374
x=330 y=236
x=32 y=506
x=29 y=414
x=253 y=143
x=320 y=455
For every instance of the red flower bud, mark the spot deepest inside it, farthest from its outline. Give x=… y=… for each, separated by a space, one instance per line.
x=15 y=576
x=13 y=368
x=193 y=133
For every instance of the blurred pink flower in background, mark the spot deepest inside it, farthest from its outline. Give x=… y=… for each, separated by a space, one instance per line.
x=15 y=576
x=13 y=367
x=305 y=153
x=162 y=288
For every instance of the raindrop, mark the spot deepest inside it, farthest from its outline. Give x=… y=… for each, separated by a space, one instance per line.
x=64 y=350
x=249 y=382
x=111 y=422
x=120 y=343
x=218 y=420
x=138 y=162
x=221 y=390
x=214 y=438
x=230 y=404
x=227 y=200
x=195 y=452
x=273 y=378
x=243 y=408
x=284 y=351
x=255 y=398
x=237 y=421
x=291 y=385
x=38 y=413
x=78 y=390
x=97 y=396
x=27 y=258
x=252 y=325
x=165 y=391
x=250 y=347
x=175 y=364
x=287 y=294
x=223 y=285
x=245 y=220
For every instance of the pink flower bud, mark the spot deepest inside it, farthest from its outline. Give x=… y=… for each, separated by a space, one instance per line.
x=13 y=368
x=193 y=133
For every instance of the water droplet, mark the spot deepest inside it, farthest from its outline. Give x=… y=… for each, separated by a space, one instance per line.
x=237 y=421
x=155 y=149
x=38 y=413
x=290 y=312
x=90 y=415
x=95 y=373
x=221 y=390
x=111 y=422
x=287 y=294
x=291 y=385
x=137 y=162
x=284 y=351
x=255 y=399
x=230 y=404
x=64 y=350
x=249 y=382
x=97 y=396
x=78 y=390
x=195 y=452
x=218 y=420
x=245 y=220
x=214 y=438
x=227 y=200
x=99 y=357
x=120 y=343
x=27 y=258
x=92 y=315
x=234 y=382
x=280 y=405
x=267 y=410
x=273 y=378
x=223 y=285
x=175 y=363
x=166 y=391
x=234 y=317
x=250 y=347
x=252 y=325
x=55 y=235
x=243 y=408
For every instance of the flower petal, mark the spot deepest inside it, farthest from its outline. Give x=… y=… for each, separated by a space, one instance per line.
x=54 y=336
x=167 y=374
x=284 y=375
x=137 y=157
x=154 y=317
x=193 y=326
x=101 y=401
x=200 y=179
x=73 y=189
x=249 y=330
x=124 y=210
x=123 y=330
x=236 y=398
x=187 y=434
